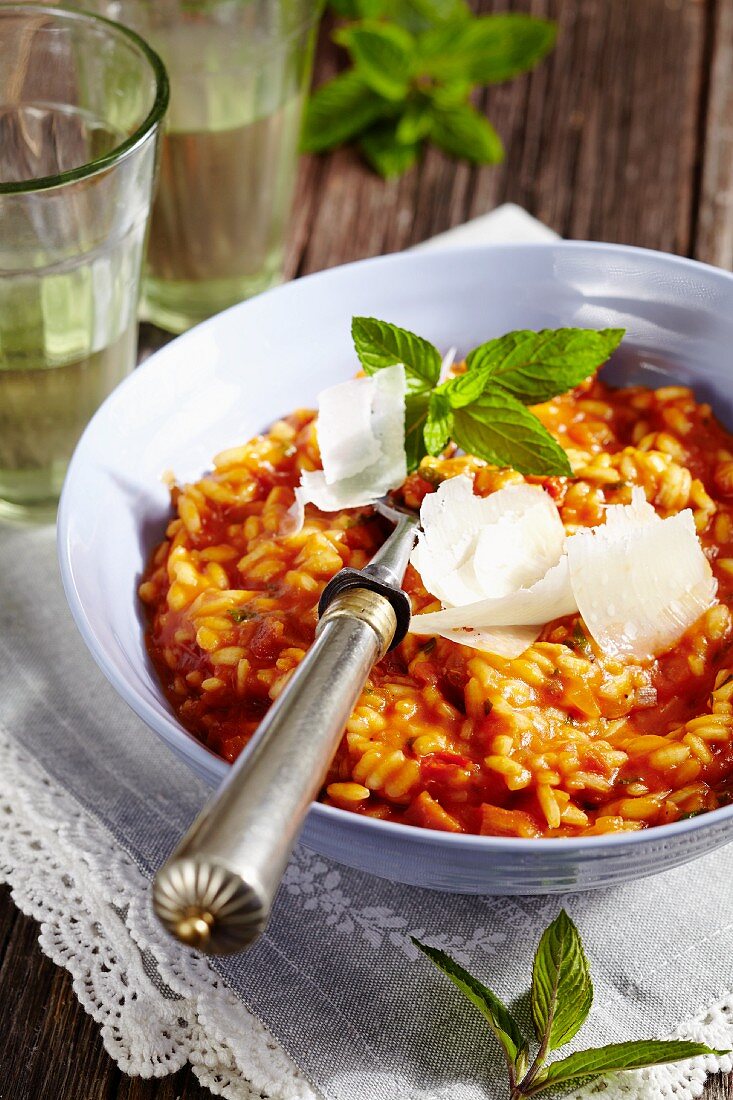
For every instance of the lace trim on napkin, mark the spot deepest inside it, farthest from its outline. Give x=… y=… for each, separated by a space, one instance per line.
x=160 y=1006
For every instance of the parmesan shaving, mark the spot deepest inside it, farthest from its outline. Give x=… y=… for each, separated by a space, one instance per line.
x=502 y=567
x=523 y=543
x=547 y=599
x=446 y=365
x=472 y=548
x=361 y=437
x=496 y=563
x=640 y=581
x=508 y=641
x=522 y=613
x=345 y=437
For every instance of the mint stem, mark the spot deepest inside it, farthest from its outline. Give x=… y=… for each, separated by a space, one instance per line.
x=524 y=1088
x=525 y=1084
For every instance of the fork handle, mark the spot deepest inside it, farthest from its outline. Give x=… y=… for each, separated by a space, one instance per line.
x=216 y=889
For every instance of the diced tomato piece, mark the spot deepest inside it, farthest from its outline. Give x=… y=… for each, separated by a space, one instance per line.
x=554 y=486
x=425 y=811
x=440 y=767
x=416 y=488
x=266 y=642
x=496 y=821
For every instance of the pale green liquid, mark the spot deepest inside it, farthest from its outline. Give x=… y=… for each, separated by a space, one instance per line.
x=67 y=329
x=43 y=411
x=218 y=221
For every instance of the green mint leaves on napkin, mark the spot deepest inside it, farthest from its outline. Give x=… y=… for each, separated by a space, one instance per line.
x=561 y=998
x=484 y=410
x=415 y=64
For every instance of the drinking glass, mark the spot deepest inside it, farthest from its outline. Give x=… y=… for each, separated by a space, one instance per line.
x=239 y=72
x=81 y=102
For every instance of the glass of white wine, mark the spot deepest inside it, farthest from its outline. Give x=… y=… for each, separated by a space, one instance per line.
x=239 y=72
x=81 y=101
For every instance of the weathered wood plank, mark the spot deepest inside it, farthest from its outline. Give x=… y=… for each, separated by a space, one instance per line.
x=8 y=918
x=719 y=1088
x=714 y=236
x=48 y=1042
x=50 y=1048
x=605 y=147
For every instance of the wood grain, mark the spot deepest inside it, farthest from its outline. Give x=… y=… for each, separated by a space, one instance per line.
x=624 y=134
x=714 y=236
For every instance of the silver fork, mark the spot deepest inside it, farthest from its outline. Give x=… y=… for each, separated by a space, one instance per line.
x=216 y=889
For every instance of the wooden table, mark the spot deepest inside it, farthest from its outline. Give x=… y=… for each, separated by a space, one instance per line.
x=624 y=134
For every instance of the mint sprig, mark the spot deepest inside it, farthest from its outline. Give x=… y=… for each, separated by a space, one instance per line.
x=387 y=156
x=484 y=410
x=561 y=998
x=415 y=64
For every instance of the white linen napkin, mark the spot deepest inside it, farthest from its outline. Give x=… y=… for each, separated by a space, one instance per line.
x=334 y=1000
x=507 y=224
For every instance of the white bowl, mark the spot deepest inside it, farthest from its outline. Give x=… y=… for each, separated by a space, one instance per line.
x=220 y=383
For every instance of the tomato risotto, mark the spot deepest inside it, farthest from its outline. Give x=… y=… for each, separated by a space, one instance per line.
x=563 y=740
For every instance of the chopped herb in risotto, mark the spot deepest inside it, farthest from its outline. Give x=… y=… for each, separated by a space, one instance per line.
x=573 y=674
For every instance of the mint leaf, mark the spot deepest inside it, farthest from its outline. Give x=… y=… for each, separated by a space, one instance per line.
x=386 y=152
x=460 y=131
x=497 y=1015
x=439 y=426
x=339 y=110
x=453 y=93
x=617 y=1056
x=499 y=429
x=562 y=992
x=415 y=123
x=383 y=55
x=487 y=49
x=380 y=344
x=420 y=15
x=535 y=366
x=464 y=389
x=416 y=414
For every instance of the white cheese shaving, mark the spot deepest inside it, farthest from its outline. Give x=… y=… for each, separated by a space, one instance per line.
x=547 y=599
x=524 y=612
x=475 y=547
x=526 y=539
x=622 y=517
x=361 y=437
x=388 y=423
x=502 y=568
x=507 y=641
x=494 y=562
x=640 y=581
x=345 y=436
x=446 y=364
